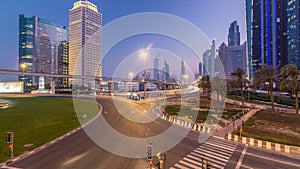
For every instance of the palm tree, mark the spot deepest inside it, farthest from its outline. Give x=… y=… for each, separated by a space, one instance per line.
x=266 y=75
x=205 y=84
x=240 y=81
x=289 y=82
x=218 y=85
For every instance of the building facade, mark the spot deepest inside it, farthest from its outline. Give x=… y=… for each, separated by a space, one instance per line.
x=156 y=70
x=293 y=34
x=38 y=47
x=268 y=34
x=234 y=36
x=63 y=64
x=85 y=46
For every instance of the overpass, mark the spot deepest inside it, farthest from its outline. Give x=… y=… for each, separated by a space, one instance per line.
x=53 y=78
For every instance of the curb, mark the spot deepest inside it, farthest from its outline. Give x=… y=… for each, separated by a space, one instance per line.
x=26 y=154
x=264 y=144
x=202 y=128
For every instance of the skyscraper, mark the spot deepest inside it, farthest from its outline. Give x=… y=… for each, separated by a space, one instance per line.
x=166 y=71
x=200 y=69
x=206 y=56
x=85 y=41
x=293 y=34
x=234 y=34
x=156 y=68
x=268 y=34
x=182 y=72
x=63 y=64
x=233 y=56
x=38 y=45
x=249 y=20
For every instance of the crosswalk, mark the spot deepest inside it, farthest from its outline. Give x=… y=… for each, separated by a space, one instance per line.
x=215 y=151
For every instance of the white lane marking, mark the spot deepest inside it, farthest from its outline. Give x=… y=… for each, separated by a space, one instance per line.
x=212 y=153
x=180 y=166
x=211 y=156
x=192 y=161
x=230 y=149
x=266 y=158
x=199 y=159
x=246 y=167
x=224 y=153
x=209 y=159
x=188 y=164
x=238 y=165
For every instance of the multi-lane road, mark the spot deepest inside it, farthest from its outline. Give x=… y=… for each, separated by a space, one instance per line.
x=78 y=151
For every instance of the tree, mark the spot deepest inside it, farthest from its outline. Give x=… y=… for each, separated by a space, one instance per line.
x=240 y=81
x=218 y=85
x=266 y=76
x=205 y=84
x=289 y=82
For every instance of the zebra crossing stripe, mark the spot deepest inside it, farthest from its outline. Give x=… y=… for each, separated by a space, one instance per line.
x=189 y=165
x=209 y=148
x=215 y=151
x=209 y=158
x=223 y=144
x=230 y=149
x=199 y=159
x=192 y=161
x=212 y=153
x=181 y=166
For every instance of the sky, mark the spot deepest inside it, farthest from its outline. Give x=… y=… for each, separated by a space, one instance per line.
x=212 y=17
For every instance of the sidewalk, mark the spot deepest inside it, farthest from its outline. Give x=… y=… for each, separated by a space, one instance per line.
x=234 y=124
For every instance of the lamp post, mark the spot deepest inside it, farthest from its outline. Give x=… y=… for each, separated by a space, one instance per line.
x=248 y=85
x=144 y=54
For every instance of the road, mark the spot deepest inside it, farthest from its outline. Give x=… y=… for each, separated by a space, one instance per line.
x=78 y=151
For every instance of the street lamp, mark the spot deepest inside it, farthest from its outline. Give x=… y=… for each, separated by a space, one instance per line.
x=144 y=55
x=248 y=85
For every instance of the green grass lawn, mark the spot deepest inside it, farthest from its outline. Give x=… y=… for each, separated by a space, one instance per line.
x=205 y=103
x=40 y=120
x=275 y=127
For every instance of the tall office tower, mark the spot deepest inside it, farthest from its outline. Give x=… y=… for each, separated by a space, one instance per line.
x=85 y=42
x=224 y=58
x=234 y=35
x=63 y=64
x=183 y=74
x=166 y=71
x=249 y=20
x=269 y=29
x=293 y=33
x=200 y=69
x=206 y=55
x=212 y=60
x=156 y=68
x=38 y=41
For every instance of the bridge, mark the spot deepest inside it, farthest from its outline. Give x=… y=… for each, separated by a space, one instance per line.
x=53 y=78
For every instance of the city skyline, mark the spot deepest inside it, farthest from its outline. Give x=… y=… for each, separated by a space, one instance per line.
x=220 y=35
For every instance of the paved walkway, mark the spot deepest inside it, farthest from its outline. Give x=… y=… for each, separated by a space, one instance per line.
x=234 y=124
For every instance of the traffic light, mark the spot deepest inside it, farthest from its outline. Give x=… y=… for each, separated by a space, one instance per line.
x=11 y=146
x=149 y=152
x=8 y=137
x=243 y=123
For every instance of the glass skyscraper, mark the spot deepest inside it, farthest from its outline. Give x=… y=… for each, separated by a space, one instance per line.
x=85 y=41
x=268 y=34
x=234 y=36
x=293 y=34
x=38 y=47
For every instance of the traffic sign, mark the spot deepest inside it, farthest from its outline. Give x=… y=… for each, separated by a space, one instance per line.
x=11 y=146
x=149 y=150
